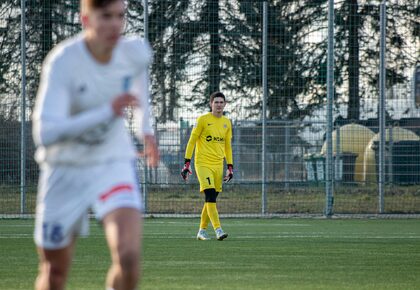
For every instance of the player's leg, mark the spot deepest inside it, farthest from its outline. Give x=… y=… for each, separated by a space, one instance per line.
x=205 y=178
x=118 y=205
x=211 y=196
x=53 y=269
x=213 y=214
x=61 y=215
x=204 y=220
x=123 y=230
x=212 y=204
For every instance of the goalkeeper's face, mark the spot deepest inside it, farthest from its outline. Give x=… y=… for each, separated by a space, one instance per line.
x=104 y=25
x=218 y=105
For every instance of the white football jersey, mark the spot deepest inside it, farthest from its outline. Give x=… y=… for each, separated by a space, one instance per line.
x=73 y=121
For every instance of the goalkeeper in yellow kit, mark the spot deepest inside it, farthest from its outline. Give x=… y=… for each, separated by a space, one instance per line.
x=211 y=138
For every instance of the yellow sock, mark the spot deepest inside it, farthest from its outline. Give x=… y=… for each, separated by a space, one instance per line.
x=204 y=218
x=213 y=214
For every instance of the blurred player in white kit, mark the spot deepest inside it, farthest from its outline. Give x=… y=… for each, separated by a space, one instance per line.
x=86 y=155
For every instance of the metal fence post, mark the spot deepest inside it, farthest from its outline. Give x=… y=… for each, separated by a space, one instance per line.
x=23 y=109
x=236 y=144
x=338 y=162
x=389 y=155
x=146 y=36
x=381 y=109
x=264 y=108
x=330 y=101
x=287 y=156
x=146 y=19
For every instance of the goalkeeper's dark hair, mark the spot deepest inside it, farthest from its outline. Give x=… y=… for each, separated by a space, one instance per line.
x=217 y=95
x=95 y=4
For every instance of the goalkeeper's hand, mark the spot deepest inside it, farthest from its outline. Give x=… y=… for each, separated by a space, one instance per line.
x=229 y=173
x=186 y=171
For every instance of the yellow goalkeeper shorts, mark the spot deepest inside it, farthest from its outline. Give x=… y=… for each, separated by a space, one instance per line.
x=210 y=177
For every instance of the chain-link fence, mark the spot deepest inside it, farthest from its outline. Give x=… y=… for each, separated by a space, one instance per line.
x=321 y=94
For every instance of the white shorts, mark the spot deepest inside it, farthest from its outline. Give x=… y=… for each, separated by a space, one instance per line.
x=67 y=193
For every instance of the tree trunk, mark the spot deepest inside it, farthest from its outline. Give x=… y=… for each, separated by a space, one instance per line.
x=353 y=112
x=47 y=28
x=214 y=70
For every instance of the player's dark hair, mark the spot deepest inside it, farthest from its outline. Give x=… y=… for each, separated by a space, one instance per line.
x=96 y=4
x=217 y=95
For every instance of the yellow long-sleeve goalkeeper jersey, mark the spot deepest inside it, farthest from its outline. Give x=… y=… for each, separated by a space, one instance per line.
x=211 y=137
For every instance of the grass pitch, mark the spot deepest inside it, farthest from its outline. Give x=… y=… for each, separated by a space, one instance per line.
x=259 y=254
